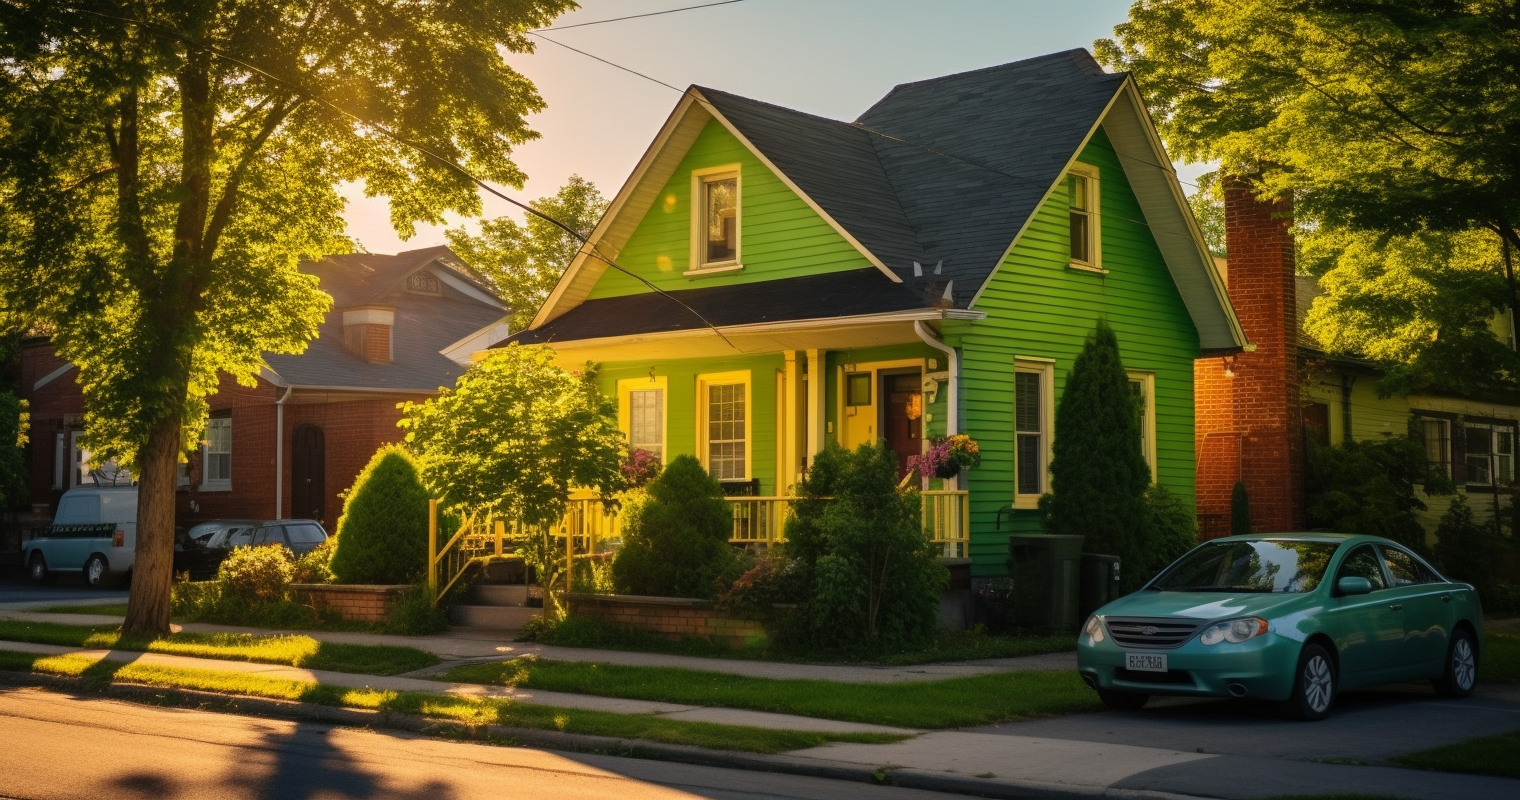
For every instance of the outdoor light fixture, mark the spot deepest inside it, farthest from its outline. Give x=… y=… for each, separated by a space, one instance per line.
x=1229 y=365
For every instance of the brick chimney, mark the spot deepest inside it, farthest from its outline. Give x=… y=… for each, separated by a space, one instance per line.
x=367 y=332
x=1249 y=421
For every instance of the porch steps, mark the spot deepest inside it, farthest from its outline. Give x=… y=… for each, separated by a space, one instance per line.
x=495 y=607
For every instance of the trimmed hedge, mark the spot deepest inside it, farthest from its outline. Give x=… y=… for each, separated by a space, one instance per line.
x=382 y=535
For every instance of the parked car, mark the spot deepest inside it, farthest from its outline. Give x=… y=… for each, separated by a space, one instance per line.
x=94 y=531
x=206 y=545
x=1294 y=617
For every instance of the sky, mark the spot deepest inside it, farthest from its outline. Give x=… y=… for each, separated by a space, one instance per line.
x=833 y=58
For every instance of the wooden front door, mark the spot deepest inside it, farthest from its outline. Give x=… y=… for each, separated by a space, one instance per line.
x=308 y=492
x=902 y=423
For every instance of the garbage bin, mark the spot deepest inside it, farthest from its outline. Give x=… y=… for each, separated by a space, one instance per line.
x=1045 y=568
x=1100 y=581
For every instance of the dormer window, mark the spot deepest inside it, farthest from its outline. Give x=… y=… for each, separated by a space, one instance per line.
x=1082 y=208
x=367 y=333
x=423 y=283
x=715 y=220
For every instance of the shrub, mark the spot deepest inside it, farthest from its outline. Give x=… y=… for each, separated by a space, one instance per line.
x=1369 y=488
x=382 y=535
x=316 y=565
x=415 y=614
x=868 y=568
x=1240 y=510
x=1175 y=525
x=675 y=543
x=772 y=580
x=257 y=575
x=1467 y=550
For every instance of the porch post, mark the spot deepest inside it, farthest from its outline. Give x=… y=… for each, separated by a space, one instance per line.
x=817 y=375
x=787 y=475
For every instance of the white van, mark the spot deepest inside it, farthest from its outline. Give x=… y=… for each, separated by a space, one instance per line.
x=94 y=531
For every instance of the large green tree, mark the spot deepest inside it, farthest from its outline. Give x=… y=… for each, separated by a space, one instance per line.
x=1394 y=118
x=164 y=164
x=523 y=261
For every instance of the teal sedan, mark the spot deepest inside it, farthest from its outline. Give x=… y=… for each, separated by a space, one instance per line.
x=1292 y=617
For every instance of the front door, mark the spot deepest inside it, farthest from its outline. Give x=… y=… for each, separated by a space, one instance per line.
x=902 y=423
x=308 y=495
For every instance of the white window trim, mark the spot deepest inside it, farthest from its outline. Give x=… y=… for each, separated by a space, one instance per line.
x=699 y=179
x=1493 y=448
x=1046 y=368
x=1094 y=219
x=722 y=379
x=207 y=484
x=625 y=390
x=1147 y=381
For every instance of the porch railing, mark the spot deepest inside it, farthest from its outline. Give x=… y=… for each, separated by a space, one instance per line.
x=589 y=529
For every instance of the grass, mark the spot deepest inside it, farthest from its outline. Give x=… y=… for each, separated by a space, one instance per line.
x=475 y=711
x=110 y=609
x=957 y=702
x=1487 y=755
x=946 y=645
x=291 y=650
x=1499 y=661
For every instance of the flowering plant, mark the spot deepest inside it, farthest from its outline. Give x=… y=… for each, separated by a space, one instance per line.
x=947 y=456
x=640 y=467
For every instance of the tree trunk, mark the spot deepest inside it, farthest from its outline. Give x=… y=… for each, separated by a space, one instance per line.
x=152 y=577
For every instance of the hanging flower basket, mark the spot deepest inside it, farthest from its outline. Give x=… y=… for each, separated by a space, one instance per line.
x=947 y=456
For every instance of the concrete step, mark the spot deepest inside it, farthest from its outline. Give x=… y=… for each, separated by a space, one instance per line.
x=486 y=595
x=503 y=617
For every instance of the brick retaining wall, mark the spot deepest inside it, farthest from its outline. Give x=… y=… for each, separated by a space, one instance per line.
x=671 y=617
x=359 y=602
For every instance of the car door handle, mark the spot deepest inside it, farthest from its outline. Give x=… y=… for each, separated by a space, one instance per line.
x=1446 y=598
x=1396 y=606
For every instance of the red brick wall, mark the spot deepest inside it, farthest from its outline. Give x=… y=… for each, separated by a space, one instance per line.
x=56 y=408
x=1249 y=426
x=358 y=603
x=352 y=432
x=673 y=617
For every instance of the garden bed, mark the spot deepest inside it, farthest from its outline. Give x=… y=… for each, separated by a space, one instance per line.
x=673 y=618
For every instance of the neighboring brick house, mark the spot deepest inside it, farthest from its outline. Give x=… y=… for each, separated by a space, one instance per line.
x=1256 y=411
x=401 y=326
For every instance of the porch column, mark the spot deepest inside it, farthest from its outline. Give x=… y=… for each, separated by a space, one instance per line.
x=817 y=375
x=787 y=474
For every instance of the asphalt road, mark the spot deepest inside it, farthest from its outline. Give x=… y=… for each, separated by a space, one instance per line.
x=61 y=746
x=17 y=588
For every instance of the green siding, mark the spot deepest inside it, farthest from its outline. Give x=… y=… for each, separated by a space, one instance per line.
x=1038 y=306
x=780 y=236
x=681 y=400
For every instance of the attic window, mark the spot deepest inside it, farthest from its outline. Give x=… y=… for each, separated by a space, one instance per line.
x=1082 y=208
x=423 y=283
x=715 y=220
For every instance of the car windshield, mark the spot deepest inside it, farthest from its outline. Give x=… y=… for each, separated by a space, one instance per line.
x=1261 y=566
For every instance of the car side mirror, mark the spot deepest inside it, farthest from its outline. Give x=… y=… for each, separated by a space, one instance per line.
x=1352 y=586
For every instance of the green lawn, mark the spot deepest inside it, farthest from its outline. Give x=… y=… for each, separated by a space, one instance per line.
x=462 y=709
x=295 y=651
x=1499 y=661
x=957 y=702
x=108 y=609
x=1488 y=755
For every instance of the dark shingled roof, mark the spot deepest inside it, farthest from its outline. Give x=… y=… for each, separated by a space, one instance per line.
x=424 y=325
x=835 y=294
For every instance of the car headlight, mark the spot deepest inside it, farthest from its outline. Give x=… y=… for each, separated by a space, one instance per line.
x=1233 y=631
x=1094 y=629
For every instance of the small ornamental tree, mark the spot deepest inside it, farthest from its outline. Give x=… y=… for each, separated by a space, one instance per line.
x=675 y=543
x=1098 y=473
x=383 y=533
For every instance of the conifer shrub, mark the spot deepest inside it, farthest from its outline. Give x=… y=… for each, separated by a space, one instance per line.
x=1467 y=549
x=1098 y=472
x=382 y=535
x=675 y=542
x=1240 y=510
x=1175 y=524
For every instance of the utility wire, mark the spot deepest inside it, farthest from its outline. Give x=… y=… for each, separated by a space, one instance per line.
x=633 y=16
x=593 y=252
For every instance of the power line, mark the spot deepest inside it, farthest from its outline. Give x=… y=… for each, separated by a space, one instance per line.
x=634 y=16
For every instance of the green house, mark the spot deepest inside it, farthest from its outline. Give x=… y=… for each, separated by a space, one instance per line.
x=769 y=281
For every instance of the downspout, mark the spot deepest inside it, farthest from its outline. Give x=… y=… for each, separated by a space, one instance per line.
x=952 y=417
x=279 y=453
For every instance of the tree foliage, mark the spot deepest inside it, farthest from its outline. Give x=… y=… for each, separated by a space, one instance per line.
x=1395 y=119
x=675 y=543
x=514 y=435
x=15 y=491
x=1467 y=549
x=164 y=166
x=383 y=533
x=1369 y=487
x=1098 y=472
x=867 y=565
x=522 y=261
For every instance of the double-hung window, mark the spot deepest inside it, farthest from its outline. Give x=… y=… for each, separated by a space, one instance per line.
x=1490 y=456
x=641 y=410
x=1082 y=212
x=216 y=454
x=724 y=418
x=1032 y=407
x=1142 y=387
x=715 y=219
x=1437 y=436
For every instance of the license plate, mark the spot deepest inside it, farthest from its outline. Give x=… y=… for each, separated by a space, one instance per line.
x=1145 y=662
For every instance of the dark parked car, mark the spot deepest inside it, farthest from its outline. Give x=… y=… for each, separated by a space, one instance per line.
x=201 y=551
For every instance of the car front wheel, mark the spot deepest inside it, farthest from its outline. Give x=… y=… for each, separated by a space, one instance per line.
x=1123 y=701
x=1314 y=684
x=38 y=569
x=1461 y=675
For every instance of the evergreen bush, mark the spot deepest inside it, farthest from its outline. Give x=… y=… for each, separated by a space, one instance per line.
x=866 y=563
x=1369 y=488
x=1240 y=510
x=382 y=535
x=1175 y=524
x=675 y=542
x=1467 y=549
x=1098 y=472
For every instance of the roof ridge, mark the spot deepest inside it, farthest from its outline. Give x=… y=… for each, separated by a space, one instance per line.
x=787 y=109
x=1026 y=62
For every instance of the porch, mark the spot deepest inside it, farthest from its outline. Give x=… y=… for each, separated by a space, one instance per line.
x=590 y=530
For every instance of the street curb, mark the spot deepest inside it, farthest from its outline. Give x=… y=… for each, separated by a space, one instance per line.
x=999 y=789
